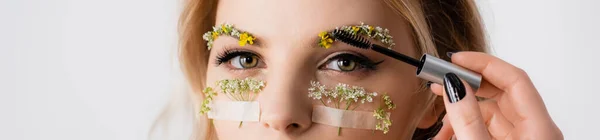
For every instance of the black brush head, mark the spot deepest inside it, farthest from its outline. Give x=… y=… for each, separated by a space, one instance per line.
x=354 y=40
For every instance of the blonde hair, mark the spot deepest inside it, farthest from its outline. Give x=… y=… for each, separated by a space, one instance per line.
x=438 y=26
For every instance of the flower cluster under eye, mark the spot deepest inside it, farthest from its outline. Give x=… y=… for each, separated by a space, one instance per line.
x=241 y=89
x=377 y=33
x=235 y=89
x=381 y=114
x=228 y=29
x=340 y=94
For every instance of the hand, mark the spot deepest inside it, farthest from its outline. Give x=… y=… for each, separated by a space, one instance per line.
x=513 y=108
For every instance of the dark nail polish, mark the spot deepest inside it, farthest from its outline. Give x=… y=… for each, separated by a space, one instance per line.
x=449 y=54
x=454 y=88
x=429 y=84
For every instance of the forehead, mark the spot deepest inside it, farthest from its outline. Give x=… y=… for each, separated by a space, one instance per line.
x=282 y=20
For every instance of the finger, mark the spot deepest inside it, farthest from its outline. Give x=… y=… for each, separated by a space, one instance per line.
x=437 y=89
x=463 y=110
x=497 y=124
x=486 y=90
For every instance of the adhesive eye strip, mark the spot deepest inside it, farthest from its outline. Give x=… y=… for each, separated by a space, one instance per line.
x=242 y=108
x=234 y=111
x=342 y=100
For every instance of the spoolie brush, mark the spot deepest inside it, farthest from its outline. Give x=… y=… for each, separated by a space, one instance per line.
x=361 y=42
x=429 y=67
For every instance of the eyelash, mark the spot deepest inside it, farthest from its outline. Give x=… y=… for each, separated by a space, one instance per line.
x=364 y=63
x=228 y=54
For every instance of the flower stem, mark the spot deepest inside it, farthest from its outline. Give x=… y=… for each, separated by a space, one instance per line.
x=348 y=105
x=339 y=130
x=240 y=126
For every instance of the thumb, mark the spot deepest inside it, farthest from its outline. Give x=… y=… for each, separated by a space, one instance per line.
x=463 y=111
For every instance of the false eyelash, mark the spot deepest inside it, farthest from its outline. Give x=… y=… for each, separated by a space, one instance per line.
x=228 y=54
x=363 y=61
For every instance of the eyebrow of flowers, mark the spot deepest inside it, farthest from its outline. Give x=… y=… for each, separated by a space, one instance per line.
x=372 y=32
x=243 y=37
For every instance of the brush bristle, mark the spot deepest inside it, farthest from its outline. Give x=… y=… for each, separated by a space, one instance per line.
x=354 y=40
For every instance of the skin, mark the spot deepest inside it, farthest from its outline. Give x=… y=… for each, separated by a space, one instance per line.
x=290 y=58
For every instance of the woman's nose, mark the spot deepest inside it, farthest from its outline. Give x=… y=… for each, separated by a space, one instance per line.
x=284 y=107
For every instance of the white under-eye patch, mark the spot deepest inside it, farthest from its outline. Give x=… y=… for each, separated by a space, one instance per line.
x=339 y=102
x=242 y=108
x=345 y=118
x=234 y=111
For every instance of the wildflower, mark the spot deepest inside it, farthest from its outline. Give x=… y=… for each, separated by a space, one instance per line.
x=245 y=38
x=326 y=40
x=226 y=28
x=205 y=107
x=381 y=114
x=384 y=121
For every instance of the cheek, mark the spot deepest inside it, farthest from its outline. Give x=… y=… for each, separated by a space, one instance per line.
x=400 y=82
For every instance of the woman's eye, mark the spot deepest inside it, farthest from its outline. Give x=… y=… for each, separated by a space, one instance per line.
x=244 y=61
x=347 y=62
x=342 y=64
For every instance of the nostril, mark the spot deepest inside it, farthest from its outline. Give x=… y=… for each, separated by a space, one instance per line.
x=295 y=125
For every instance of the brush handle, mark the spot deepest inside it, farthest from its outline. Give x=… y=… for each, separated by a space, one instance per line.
x=396 y=55
x=434 y=69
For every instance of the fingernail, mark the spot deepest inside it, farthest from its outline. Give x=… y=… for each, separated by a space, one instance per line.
x=454 y=88
x=429 y=84
x=449 y=54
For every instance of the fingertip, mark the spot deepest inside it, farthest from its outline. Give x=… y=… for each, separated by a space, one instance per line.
x=437 y=89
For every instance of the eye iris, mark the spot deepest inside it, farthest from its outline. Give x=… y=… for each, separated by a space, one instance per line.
x=346 y=65
x=248 y=61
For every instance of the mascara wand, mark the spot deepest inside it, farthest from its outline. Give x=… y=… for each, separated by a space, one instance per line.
x=428 y=67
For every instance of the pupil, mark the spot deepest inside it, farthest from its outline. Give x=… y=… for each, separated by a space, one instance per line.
x=247 y=61
x=344 y=63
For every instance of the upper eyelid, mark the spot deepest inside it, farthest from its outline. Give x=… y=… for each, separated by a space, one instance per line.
x=361 y=59
x=338 y=53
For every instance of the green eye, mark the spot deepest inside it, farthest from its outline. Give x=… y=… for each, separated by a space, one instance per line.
x=244 y=61
x=346 y=64
x=342 y=64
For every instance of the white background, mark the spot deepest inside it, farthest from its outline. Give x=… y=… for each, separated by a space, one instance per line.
x=102 y=69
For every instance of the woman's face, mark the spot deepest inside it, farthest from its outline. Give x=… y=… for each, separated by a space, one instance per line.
x=287 y=57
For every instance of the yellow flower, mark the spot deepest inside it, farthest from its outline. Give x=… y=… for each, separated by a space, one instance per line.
x=370 y=30
x=246 y=38
x=225 y=29
x=323 y=35
x=215 y=35
x=326 y=40
x=355 y=29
